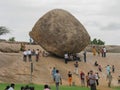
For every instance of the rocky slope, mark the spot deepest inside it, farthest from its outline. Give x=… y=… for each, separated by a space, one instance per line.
x=14 y=69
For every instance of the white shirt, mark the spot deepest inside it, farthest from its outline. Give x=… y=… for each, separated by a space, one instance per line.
x=66 y=56
x=36 y=52
x=96 y=76
x=25 y=53
x=29 y=52
x=10 y=88
x=104 y=49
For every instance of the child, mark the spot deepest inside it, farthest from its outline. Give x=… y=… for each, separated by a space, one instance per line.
x=46 y=87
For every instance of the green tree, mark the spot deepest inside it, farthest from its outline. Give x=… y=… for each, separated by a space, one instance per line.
x=100 y=42
x=4 y=30
x=12 y=39
x=97 y=42
x=94 y=41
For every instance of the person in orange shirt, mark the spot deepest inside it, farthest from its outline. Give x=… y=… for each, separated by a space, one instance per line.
x=70 y=78
x=94 y=50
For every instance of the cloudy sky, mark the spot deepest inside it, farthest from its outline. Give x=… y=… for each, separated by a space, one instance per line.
x=101 y=18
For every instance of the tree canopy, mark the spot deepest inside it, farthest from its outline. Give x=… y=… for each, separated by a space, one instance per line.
x=4 y=30
x=97 y=42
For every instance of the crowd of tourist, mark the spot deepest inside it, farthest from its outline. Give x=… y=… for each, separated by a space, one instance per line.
x=28 y=54
x=88 y=79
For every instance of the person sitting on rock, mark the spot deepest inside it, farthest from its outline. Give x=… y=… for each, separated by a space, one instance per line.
x=100 y=68
x=96 y=64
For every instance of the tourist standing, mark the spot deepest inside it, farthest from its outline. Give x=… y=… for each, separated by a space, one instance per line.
x=29 y=55
x=94 y=51
x=104 y=52
x=37 y=55
x=84 y=54
x=66 y=57
x=97 y=78
x=109 y=78
x=58 y=79
x=92 y=81
x=87 y=79
x=113 y=68
x=108 y=69
x=70 y=78
x=98 y=51
x=25 y=55
x=76 y=67
x=82 y=78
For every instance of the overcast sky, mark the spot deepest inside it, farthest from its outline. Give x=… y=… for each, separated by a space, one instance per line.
x=101 y=18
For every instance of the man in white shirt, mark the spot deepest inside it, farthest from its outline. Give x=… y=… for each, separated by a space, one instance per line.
x=66 y=57
x=29 y=54
x=58 y=79
x=104 y=51
x=25 y=55
x=37 y=55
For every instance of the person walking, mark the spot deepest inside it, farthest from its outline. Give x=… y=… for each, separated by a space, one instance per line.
x=53 y=73
x=58 y=79
x=108 y=69
x=109 y=78
x=70 y=78
x=97 y=78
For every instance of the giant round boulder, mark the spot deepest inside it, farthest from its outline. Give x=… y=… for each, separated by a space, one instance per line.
x=59 y=32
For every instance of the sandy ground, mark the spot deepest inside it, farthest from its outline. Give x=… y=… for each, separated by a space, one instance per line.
x=13 y=69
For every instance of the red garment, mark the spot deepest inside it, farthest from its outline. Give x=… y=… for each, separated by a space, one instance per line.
x=82 y=75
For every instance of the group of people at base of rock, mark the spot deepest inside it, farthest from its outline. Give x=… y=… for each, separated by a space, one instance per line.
x=37 y=53
x=71 y=57
x=101 y=51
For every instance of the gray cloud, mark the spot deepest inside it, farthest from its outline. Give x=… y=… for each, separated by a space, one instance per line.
x=112 y=26
x=98 y=16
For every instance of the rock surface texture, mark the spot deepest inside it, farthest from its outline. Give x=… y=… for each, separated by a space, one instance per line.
x=59 y=32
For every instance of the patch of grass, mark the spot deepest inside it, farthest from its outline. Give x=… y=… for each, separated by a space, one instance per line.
x=41 y=87
x=117 y=88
